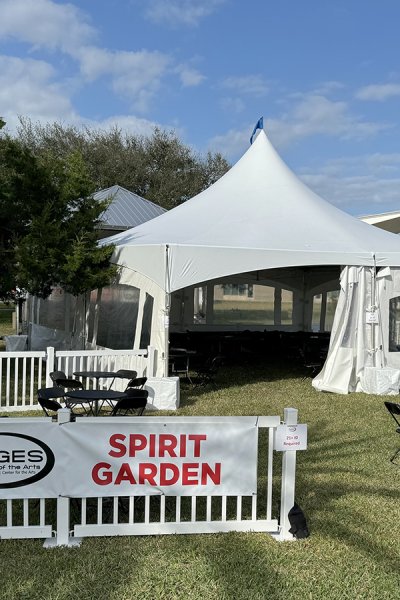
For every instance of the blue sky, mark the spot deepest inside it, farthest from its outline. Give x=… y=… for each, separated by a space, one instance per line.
x=324 y=74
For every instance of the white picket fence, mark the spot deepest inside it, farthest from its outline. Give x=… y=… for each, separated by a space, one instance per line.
x=65 y=520
x=23 y=373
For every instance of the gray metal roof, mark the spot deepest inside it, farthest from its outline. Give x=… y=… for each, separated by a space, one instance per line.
x=126 y=209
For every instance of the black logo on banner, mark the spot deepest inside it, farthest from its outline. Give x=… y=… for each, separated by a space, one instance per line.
x=23 y=460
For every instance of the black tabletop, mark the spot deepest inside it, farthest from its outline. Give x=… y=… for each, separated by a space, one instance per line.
x=93 y=398
x=95 y=374
x=95 y=395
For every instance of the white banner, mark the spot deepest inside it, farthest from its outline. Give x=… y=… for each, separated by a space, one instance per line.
x=171 y=458
x=123 y=457
x=29 y=462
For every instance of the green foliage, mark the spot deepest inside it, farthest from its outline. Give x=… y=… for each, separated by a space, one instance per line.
x=48 y=223
x=159 y=167
x=48 y=219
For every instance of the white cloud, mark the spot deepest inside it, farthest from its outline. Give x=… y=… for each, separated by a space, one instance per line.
x=134 y=75
x=309 y=115
x=358 y=184
x=328 y=87
x=180 y=12
x=317 y=115
x=252 y=85
x=127 y=123
x=189 y=77
x=379 y=92
x=233 y=105
x=354 y=193
x=96 y=62
x=231 y=144
x=377 y=165
x=27 y=88
x=45 y=23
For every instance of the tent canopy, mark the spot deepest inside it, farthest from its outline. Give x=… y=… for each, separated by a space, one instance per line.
x=258 y=215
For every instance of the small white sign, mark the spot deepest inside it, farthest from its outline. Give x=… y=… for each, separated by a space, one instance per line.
x=372 y=316
x=290 y=437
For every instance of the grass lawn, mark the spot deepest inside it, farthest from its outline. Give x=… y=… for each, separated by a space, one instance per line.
x=345 y=483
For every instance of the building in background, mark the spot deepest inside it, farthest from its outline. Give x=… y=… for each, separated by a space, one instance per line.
x=389 y=221
x=126 y=210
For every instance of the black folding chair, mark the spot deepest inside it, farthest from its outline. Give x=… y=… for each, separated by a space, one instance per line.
x=312 y=359
x=206 y=375
x=179 y=362
x=124 y=374
x=137 y=383
x=47 y=400
x=134 y=403
x=394 y=409
x=62 y=380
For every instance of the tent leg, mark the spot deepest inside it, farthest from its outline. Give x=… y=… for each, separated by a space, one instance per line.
x=166 y=334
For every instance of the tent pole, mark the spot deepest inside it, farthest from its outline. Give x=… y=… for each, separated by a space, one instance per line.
x=85 y=312
x=374 y=309
x=167 y=306
x=17 y=320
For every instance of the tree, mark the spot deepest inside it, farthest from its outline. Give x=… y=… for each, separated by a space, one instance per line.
x=48 y=222
x=158 y=167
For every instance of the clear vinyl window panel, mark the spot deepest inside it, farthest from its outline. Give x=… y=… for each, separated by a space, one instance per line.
x=118 y=317
x=323 y=313
x=238 y=289
x=316 y=312
x=331 y=303
x=52 y=311
x=91 y=314
x=200 y=304
x=286 y=307
x=394 y=324
x=146 y=322
x=249 y=305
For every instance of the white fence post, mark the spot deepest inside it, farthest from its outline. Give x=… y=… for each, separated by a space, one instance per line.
x=63 y=504
x=62 y=537
x=49 y=364
x=151 y=359
x=288 y=479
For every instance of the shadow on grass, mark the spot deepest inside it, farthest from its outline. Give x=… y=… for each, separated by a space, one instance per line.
x=347 y=500
x=215 y=566
x=230 y=376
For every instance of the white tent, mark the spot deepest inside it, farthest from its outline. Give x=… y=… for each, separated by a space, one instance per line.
x=258 y=216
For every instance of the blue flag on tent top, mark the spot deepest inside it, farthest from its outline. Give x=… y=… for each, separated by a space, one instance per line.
x=258 y=125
